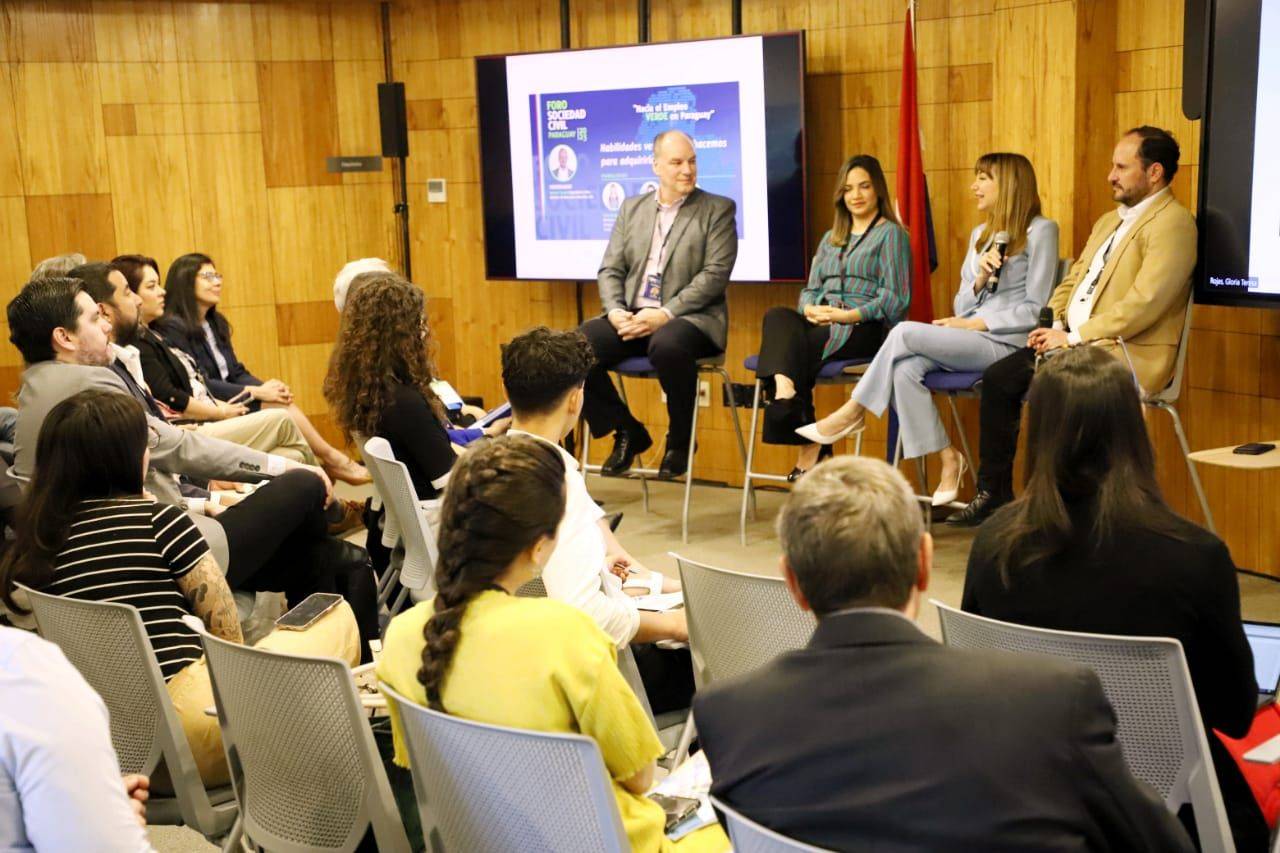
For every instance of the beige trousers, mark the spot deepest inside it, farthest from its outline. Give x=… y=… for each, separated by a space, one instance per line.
x=270 y=430
x=333 y=635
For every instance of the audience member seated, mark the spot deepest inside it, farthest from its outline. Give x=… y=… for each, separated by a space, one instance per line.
x=480 y=653
x=274 y=532
x=1130 y=281
x=859 y=286
x=153 y=365
x=1091 y=546
x=662 y=281
x=58 y=266
x=991 y=319
x=349 y=273
x=875 y=737
x=60 y=782
x=543 y=372
x=193 y=324
x=88 y=488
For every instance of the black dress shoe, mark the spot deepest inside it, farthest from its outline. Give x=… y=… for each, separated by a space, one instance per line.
x=628 y=443
x=979 y=510
x=674 y=463
x=797 y=472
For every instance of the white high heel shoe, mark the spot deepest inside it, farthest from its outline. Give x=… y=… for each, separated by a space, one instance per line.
x=941 y=498
x=810 y=432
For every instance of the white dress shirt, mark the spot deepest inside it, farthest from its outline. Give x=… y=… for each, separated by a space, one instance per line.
x=576 y=572
x=60 y=783
x=1080 y=308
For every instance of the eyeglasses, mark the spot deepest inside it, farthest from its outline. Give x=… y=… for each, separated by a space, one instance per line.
x=211 y=276
x=153 y=437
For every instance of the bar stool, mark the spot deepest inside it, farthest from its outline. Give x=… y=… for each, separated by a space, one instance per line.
x=839 y=372
x=641 y=367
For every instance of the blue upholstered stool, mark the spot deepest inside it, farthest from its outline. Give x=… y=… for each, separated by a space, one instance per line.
x=641 y=367
x=839 y=372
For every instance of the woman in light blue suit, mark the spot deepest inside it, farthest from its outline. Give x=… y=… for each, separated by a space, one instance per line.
x=991 y=320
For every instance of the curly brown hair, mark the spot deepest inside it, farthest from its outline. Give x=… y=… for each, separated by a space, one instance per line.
x=384 y=341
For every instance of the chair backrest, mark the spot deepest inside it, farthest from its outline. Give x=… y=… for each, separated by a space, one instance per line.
x=738 y=622
x=750 y=837
x=413 y=522
x=108 y=644
x=1169 y=394
x=1149 y=687
x=491 y=789
x=302 y=755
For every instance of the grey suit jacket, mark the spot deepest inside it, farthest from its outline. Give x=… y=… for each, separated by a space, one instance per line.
x=875 y=737
x=179 y=451
x=701 y=250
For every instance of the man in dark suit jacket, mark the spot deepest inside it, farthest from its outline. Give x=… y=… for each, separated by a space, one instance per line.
x=875 y=737
x=662 y=283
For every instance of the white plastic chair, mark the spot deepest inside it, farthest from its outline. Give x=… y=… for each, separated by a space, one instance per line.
x=1157 y=720
x=409 y=521
x=492 y=789
x=750 y=837
x=737 y=624
x=302 y=757
x=108 y=644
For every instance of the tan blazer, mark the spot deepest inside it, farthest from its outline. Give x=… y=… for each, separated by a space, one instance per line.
x=1143 y=289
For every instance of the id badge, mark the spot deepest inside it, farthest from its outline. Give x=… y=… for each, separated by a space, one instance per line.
x=651 y=290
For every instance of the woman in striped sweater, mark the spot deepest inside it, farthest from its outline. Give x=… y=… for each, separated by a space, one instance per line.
x=859 y=287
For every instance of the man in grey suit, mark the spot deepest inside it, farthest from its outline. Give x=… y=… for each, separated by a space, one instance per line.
x=662 y=283
x=65 y=341
x=875 y=737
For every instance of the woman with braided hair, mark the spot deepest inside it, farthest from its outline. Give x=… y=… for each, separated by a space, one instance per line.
x=480 y=653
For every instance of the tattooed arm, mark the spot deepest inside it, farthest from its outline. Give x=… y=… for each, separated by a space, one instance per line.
x=206 y=589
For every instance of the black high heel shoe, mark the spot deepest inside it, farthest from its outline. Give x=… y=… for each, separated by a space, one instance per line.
x=797 y=472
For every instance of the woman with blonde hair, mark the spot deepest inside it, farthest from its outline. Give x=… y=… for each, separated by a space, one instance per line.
x=993 y=313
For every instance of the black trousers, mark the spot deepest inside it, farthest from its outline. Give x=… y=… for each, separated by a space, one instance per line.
x=674 y=350
x=278 y=541
x=667 y=675
x=1004 y=385
x=792 y=346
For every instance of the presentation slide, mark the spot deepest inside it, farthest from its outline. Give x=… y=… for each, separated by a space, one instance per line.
x=581 y=143
x=578 y=196
x=1239 y=207
x=1264 y=221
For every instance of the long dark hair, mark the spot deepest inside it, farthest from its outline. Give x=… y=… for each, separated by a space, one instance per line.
x=181 y=311
x=384 y=340
x=1090 y=467
x=90 y=446
x=501 y=499
x=843 y=222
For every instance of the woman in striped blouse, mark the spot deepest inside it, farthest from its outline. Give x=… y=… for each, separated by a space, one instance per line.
x=859 y=287
x=87 y=530
x=993 y=314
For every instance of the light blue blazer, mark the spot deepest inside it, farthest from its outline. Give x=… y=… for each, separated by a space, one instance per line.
x=1026 y=282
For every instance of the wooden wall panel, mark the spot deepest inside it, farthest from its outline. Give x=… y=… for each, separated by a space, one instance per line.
x=229 y=213
x=135 y=31
x=301 y=99
x=308 y=244
x=57 y=224
x=49 y=31
x=10 y=144
x=15 y=250
x=212 y=31
x=152 y=188
x=59 y=120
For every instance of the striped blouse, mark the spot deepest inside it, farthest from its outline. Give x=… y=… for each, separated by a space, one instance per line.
x=874 y=277
x=132 y=551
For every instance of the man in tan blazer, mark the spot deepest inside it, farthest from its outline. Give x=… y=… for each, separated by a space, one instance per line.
x=1131 y=281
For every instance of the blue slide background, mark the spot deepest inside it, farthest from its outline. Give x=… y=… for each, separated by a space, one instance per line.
x=575 y=209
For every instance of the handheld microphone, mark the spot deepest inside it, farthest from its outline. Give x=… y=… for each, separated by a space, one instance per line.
x=1046 y=318
x=1002 y=245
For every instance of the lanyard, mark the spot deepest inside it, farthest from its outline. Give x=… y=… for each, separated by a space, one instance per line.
x=849 y=250
x=666 y=235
